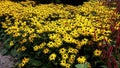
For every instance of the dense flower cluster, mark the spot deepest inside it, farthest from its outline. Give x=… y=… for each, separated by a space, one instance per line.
x=58 y=31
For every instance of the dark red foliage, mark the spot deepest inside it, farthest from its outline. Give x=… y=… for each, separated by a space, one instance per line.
x=118 y=6
x=110 y=50
x=109 y=63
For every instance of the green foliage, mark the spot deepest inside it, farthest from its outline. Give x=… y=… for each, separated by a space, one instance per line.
x=85 y=65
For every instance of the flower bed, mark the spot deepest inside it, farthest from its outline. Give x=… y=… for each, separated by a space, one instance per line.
x=57 y=35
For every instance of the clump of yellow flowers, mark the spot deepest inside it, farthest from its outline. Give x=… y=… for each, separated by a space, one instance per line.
x=58 y=32
x=24 y=61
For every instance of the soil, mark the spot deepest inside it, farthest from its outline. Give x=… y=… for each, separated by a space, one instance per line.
x=6 y=61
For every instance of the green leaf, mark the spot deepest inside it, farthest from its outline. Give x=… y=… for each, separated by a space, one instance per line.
x=2 y=36
x=14 y=52
x=85 y=65
x=44 y=66
x=6 y=41
x=104 y=66
x=34 y=62
x=4 y=51
x=47 y=65
x=38 y=53
x=79 y=66
x=99 y=61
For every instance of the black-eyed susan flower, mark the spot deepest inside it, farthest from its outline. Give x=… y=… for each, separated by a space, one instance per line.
x=45 y=51
x=70 y=50
x=63 y=62
x=51 y=44
x=71 y=60
x=36 y=48
x=75 y=51
x=81 y=59
x=67 y=65
x=65 y=56
x=62 y=51
x=72 y=56
x=84 y=41
x=23 y=48
x=23 y=41
x=52 y=56
x=52 y=36
x=97 y=52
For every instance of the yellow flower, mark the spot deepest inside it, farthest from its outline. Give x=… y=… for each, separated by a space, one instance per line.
x=68 y=38
x=64 y=56
x=24 y=35
x=35 y=48
x=51 y=44
x=71 y=60
x=4 y=25
x=11 y=43
x=31 y=39
x=84 y=41
x=24 y=61
x=78 y=46
x=97 y=52
x=23 y=48
x=74 y=33
x=67 y=28
x=45 y=51
x=39 y=31
x=23 y=41
x=16 y=34
x=21 y=65
x=100 y=44
x=62 y=50
x=52 y=56
x=81 y=59
x=75 y=51
x=63 y=62
x=89 y=66
x=58 y=44
x=53 y=36
x=72 y=56
x=41 y=45
x=70 y=50
x=67 y=65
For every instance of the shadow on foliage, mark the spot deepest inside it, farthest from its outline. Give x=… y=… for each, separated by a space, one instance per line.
x=69 y=2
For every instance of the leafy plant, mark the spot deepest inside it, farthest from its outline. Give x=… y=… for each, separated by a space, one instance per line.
x=85 y=65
